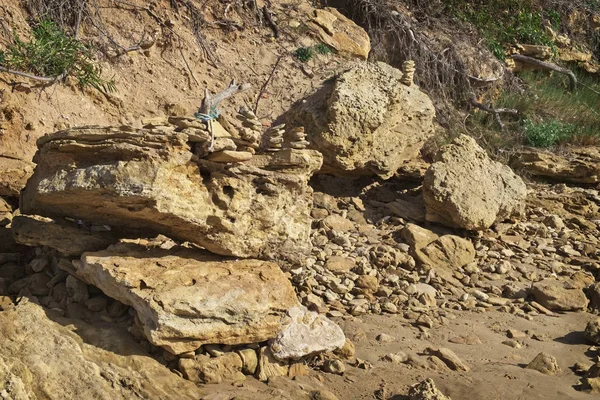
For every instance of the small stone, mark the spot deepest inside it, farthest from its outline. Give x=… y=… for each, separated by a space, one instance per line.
x=385 y=338
x=592 y=331
x=38 y=264
x=512 y=343
x=424 y=320
x=339 y=264
x=334 y=366
x=395 y=358
x=77 y=290
x=249 y=361
x=367 y=282
x=426 y=390
x=449 y=358
x=544 y=363
x=97 y=304
x=515 y=334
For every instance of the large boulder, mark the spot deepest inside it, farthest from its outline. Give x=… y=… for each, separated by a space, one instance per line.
x=559 y=296
x=14 y=173
x=366 y=121
x=186 y=298
x=464 y=188
x=148 y=179
x=44 y=356
x=576 y=164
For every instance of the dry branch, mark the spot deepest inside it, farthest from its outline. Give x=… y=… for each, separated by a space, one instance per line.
x=548 y=67
x=264 y=86
x=494 y=111
x=51 y=79
x=210 y=103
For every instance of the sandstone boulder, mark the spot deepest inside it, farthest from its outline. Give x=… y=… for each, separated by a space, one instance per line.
x=464 y=188
x=14 y=173
x=146 y=179
x=446 y=255
x=366 y=122
x=577 y=164
x=340 y=32
x=43 y=359
x=544 y=363
x=559 y=296
x=186 y=298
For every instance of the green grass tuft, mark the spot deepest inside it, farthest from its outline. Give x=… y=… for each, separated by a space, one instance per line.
x=546 y=133
x=304 y=54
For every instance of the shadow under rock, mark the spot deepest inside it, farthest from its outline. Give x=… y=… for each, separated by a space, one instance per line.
x=576 y=337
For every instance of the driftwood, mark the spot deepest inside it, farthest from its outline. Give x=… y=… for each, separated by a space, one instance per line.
x=210 y=103
x=264 y=86
x=270 y=21
x=494 y=111
x=208 y=107
x=548 y=67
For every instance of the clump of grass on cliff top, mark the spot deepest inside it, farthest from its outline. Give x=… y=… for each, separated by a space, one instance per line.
x=549 y=114
x=52 y=53
x=507 y=22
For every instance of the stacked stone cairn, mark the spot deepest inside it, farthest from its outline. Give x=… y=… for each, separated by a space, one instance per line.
x=250 y=132
x=274 y=138
x=297 y=138
x=408 y=71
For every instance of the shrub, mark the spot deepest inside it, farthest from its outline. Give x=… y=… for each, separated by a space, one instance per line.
x=304 y=54
x=52 y=53
x=322 y=48
x=546 y=133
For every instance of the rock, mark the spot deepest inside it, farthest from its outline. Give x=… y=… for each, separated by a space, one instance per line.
x=5 y=213
x=41 y=358
x=544 y=363
x=449 y=358
x=269 y=366
x=338 y=223
x=396 y=358
x=385 y=338
x=411 y=210
x=492 y=193
x=574 y=164
x=339 y=264
x=305 y=334
x=204 y=369
x=14 y=173
x=559 y=296
x=347 y=351
x=426 y=390
x=340 y=33
x=334 y=366
x=249 y=361
x=186 y=298
x=515 y=334
x=446 y=255
x=148 y=181
x=366 y=122
x=230 y=156
x=417 y=237
x=368 y=282
x=77 y=290
x=64 y=236
x=592 y=331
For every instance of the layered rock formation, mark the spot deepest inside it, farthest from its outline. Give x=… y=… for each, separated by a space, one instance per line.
x=149 y=180
x=366 y=121
x=14 y=173
x=464 y=188
x=576 y=165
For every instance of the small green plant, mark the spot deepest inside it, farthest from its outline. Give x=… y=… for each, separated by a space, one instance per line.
x=546 y=133
x=323 y=49
x=304 y=54
x=52 y=53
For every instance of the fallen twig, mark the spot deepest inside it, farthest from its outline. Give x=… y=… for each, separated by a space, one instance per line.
x=549 y=67
x=210 y=103
x=264 y=86
x=494 y=111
